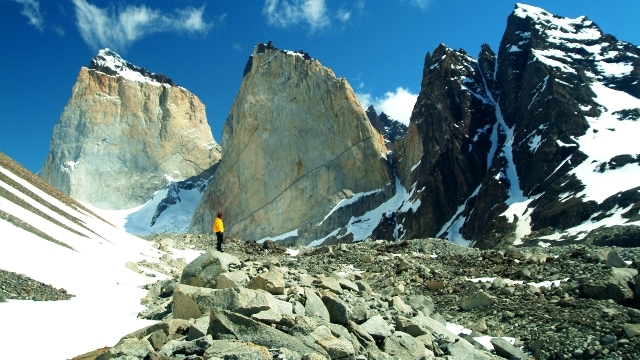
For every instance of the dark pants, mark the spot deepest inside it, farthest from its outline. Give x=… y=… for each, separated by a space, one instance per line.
x=220 y=237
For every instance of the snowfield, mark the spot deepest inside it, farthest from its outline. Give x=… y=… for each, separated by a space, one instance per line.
x=107 y=294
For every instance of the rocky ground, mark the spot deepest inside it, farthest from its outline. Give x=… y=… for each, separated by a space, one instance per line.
x=20 y=287
x=565 y=302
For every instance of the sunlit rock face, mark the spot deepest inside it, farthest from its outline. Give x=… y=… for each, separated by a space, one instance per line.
x=125 y=133
x=296 y=143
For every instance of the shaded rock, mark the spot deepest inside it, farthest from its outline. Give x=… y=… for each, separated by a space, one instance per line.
x=377 y=327
x=328 y=283
x=464 y=350
x=224 y=323
x=336 y=348
x=422 y=303
x=404 y=346
x=339 y=310
x=476 y=300
x=401 y=307
x=232 y=279
x=271 y=281
x=193 y=347
x=505 y=349
x=614 y=260
x=314 y=306
x=631 y=330
x=237 y=350
x=193 y=302
x=204 y=270
x=128 y=348
x=267 y=316
x=198 y=329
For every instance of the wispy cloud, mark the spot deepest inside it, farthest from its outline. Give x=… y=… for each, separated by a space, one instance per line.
x=314 y=15
x=422 y=4
x=118 y=28
x=285 y=13
x=31 y=9
x=398 y=105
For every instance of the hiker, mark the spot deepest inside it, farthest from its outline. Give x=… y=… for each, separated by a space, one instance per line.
x=218 y=229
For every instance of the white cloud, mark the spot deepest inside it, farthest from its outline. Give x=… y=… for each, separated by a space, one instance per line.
x=119 y=28
x=343 y=15
x=31 y=9
x=398 y=105
x=285 y=13
x=422 y=4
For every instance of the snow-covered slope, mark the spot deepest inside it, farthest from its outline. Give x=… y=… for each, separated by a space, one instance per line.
x=113 y=64
x=169 y=210
x=51 y=238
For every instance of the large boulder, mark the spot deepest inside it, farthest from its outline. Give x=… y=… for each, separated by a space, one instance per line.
x=271 y=281
x=193 y=302
x=226 y=324
x=205 y=269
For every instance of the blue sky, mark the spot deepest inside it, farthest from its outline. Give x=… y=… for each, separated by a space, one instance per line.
x=203 y=45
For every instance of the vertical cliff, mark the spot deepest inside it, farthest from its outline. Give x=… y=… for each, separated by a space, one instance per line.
x=300 y=157
x=125 y=133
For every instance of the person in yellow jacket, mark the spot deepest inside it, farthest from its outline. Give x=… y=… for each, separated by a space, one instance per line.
x=218 y=229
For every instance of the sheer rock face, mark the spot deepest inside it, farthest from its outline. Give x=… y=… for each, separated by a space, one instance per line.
x=124 y=135
x=295 y=144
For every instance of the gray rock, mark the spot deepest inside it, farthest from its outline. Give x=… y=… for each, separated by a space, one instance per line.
x=339 y=310
x=377 y=327
x=505 y=349
x=193 y=347
x=400 y=306
x=403 y=346
x=631 y=330
x=271 y=281
x=336 y=348
x=232 y=279
x=624 y=274
x=347 y=284
x=314 y=307
x=360 y=313
x=614 y=260
x=267 y=316
x=428 y=324
x=199 y=328
x=463 y=350
x=498 y=283
x=422 y=303
x=224 y=323
x=194 y=302
x=479 y=299
x=128 y=349
x=237 y=350
x=329 y=283
x=204 y=270
x=339 y=331
x=364 y=287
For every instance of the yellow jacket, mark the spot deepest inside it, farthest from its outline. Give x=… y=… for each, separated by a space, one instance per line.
x=218 y=226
